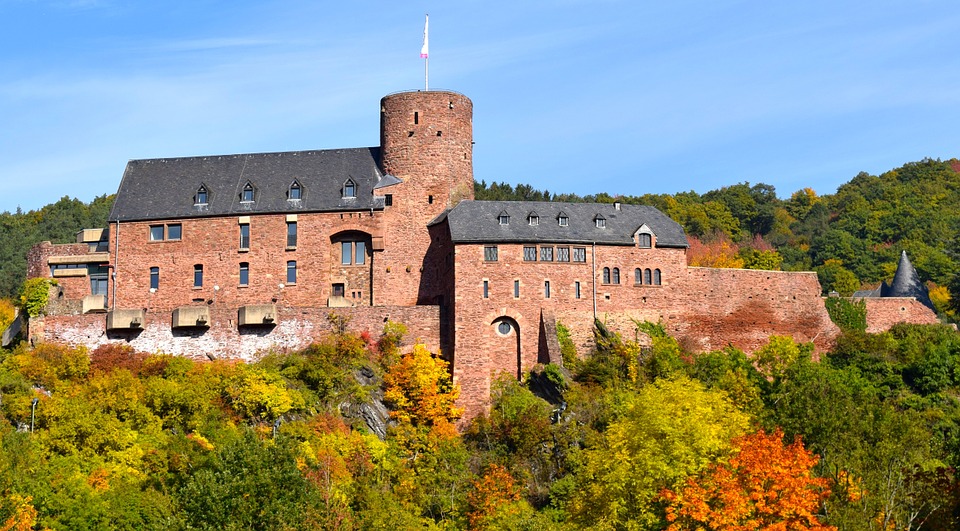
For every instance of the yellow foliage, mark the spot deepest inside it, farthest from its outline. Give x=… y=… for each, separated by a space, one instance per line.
x=24 y=515
x=940 y=297
x=422 y=393
x=7 y=313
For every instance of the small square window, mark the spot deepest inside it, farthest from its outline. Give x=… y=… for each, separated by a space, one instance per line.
x=174 y=231
x=503 y=219
x=563 y=220
x=644 y=240
x=530 y=253
x=546 y=254
x=601 y=223
x=349 y=189
x=563 y=254
x=490 y=253
x=579 y=254
x=156 y=233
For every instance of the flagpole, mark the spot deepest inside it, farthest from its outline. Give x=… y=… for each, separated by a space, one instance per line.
x=425 y=53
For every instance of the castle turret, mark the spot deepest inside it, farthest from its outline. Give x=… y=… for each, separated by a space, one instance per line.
x=426 y=141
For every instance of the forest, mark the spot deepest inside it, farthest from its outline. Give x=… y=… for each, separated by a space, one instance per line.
x=362 y=431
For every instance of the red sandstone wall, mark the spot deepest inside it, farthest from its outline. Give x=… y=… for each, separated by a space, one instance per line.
x=882 y=313
x=426 y=141
x=38 y=266
x=215 y=243
x=296 y=328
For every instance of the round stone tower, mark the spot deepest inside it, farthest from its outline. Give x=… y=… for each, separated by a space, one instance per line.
x=426 y=141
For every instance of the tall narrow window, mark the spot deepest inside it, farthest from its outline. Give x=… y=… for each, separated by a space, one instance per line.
x=154 y=278
x=606 y=275
x=576 y=289
x=295 y=191
x=244 y=235
x=201 y=198
x=291 y=272
x=198 y=276
x=244 y=273
x=616 y=275
x=647 y=277
x=546 y=289
x=247 y=195
x=346 y=252
x=361 y=253
x=486 y=289
x=349 y=189
x=291 y=234
x=637 y=276
x=516 y=289
x=656 y=277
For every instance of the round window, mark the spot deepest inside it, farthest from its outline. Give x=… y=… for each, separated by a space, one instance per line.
x=504 y=328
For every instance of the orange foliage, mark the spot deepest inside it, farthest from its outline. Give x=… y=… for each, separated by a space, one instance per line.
x=493 y=496
x=24 y=516
x=110 y=356
x=422 y=393
x=765 y=486
x=718 y=252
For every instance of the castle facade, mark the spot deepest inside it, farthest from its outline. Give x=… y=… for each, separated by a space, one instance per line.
x=231 y=255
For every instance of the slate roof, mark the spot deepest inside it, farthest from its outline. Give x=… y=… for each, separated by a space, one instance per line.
x=166 y=188
x=906 y=283
x=477 y=221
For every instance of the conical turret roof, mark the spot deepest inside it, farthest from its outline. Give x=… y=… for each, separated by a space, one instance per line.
x=906 y=283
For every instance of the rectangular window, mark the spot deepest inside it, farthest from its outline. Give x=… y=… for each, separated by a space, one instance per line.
x=490 y=253
x=244 y=235
x=292 y=272
x=346 y=252
x=486 y=289
x=516 y=289
x=579 y=254
x=388 y=200
x=198 y=276
x=576 y=289
x=529 y=253
x=338 y=290
x=244 y=273
x=174 y=231
x=361 y=253
x=563 y=254
x=156 y=233
x=291 y=234
x=154 y=278
x=546 y=254
x=546 y=289
x=98 y=283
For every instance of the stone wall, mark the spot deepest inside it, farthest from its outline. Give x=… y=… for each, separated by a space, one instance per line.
x=882 y=313
x=296 y=328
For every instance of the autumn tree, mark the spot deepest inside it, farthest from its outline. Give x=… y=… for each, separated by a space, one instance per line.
x=422 y=393
x=765 y=485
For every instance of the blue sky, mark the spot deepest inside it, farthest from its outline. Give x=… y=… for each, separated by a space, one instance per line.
x=624 y=97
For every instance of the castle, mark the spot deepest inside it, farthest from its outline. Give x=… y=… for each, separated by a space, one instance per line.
x=231 y=255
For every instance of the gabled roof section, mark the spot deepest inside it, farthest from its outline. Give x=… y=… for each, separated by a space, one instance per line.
x=165 y=188
x=477 y=221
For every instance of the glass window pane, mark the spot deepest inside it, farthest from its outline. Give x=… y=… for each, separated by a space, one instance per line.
x=346 y=252
x=244 y=273
x=292 y=272
x=530 y=253
x=197 y=276
x=156 y=233
x=173 y=231
x=291 y=234
x=154 y=277
x=245 y=236
x=361 y=255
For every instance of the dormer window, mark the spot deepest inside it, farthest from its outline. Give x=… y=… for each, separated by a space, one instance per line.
x=349 y=189
x=247 y=195
x=504 y=218
x=533 y=219
x=563 y=220
x=201 y=197
x=296 y=192
x=644 y=237
x=600 y=221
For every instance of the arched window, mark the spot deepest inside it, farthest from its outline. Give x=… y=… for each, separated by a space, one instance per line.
x=644 y=240
x=296 y=192
x=247 y=194
x=606 y=275
x=349 y=189
x=201 y=197
x=656 y=277
x=616 y=275
x=647 y=277
x=637 y=276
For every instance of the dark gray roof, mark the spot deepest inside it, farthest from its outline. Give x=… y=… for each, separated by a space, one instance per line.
x=477 y=221
x=906 y=283
x=166 y=188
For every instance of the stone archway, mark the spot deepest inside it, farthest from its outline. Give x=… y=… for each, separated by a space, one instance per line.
x=507 y=331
